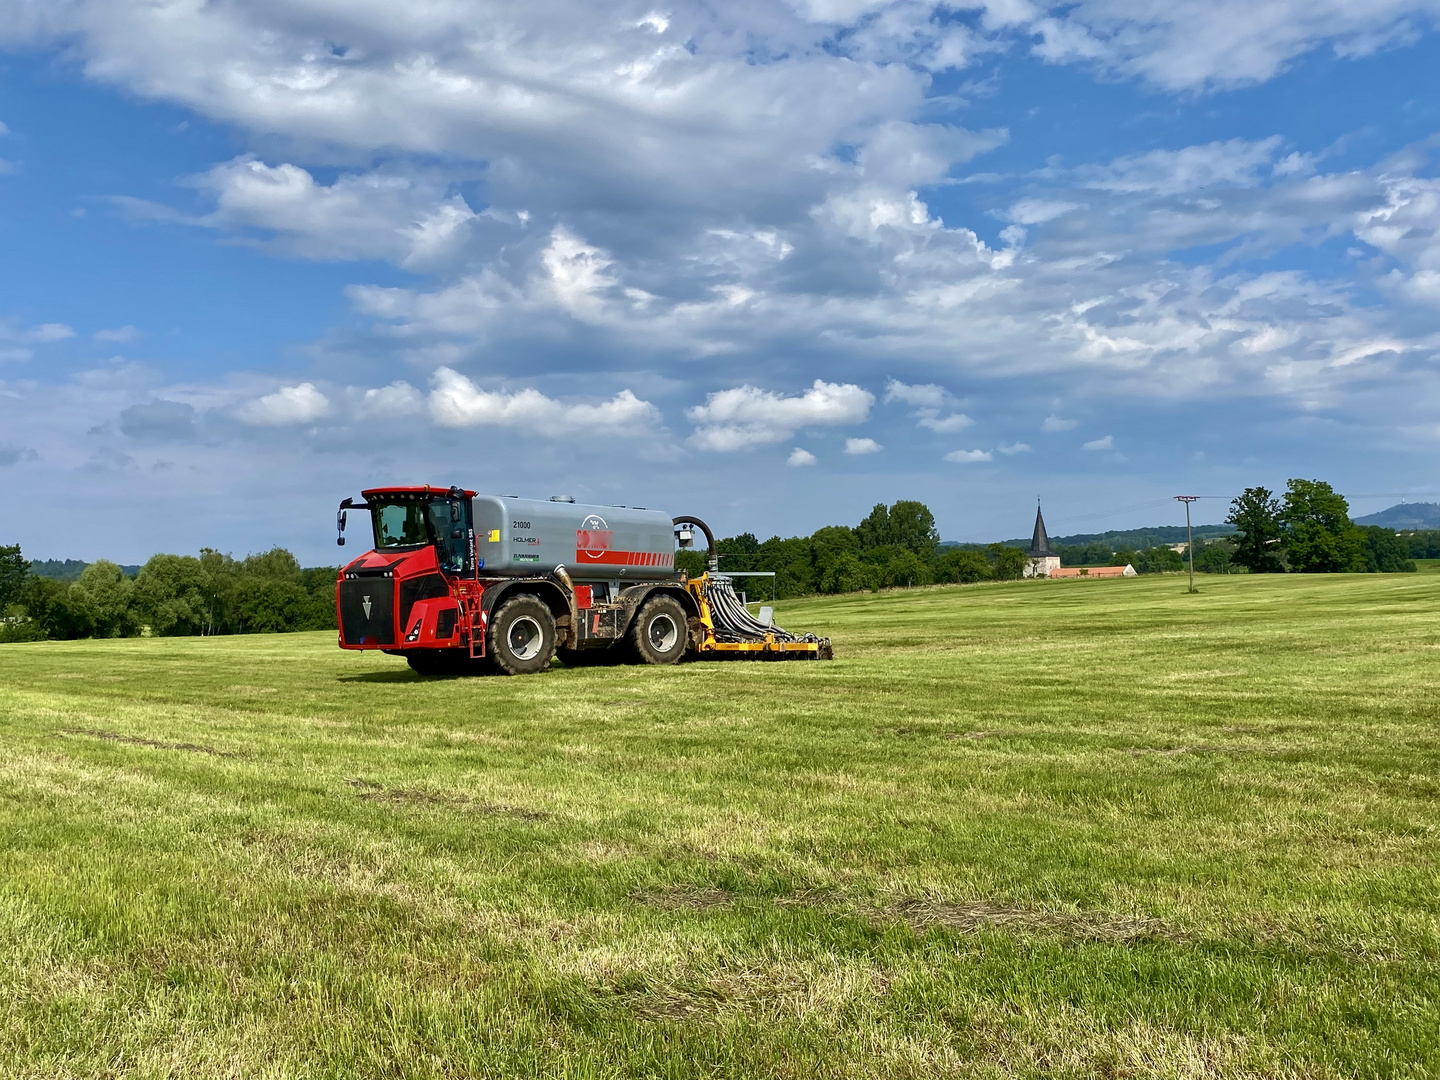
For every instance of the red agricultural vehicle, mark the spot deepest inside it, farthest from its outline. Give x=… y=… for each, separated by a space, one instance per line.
x=461 y=583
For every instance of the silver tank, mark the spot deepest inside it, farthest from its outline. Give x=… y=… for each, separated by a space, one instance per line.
x=524 y=537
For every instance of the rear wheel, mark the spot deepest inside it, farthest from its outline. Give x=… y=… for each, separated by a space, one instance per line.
x=522 y=636
x=659 y=632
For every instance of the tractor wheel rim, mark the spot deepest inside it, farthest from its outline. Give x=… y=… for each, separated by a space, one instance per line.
x=663 y=633
x=525 y=638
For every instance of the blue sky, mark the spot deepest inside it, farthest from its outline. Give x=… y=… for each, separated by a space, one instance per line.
x=769 y=263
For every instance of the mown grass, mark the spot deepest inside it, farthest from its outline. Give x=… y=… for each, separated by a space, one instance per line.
x=1033 y=829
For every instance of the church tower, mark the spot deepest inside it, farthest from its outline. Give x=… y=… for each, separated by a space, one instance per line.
x=1042 y=559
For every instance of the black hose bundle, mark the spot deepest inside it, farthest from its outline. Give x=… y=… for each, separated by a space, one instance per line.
x=733 y=623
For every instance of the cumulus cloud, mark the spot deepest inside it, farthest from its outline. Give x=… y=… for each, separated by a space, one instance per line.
x=967 y=457
x=930 y=401
x=858 y=447
x=455 y=401
x=799 y=458
x=1105 y=443
x=15 y=340
x=300 y=404
x=397 y=399
x=747 y=416
x=1055 y=423
x=409 y=219
x=1011 y=449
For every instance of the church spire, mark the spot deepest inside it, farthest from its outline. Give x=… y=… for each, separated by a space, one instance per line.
x=1040 y=544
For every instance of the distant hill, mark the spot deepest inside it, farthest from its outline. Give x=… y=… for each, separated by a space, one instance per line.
x=68 y=569
x=1120 y=539
x=1405 y=516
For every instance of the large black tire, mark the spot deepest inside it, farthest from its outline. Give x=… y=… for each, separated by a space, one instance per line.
x=522 y=636
x=658 y=635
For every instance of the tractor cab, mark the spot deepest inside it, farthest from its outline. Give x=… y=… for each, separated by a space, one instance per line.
x=412 y=521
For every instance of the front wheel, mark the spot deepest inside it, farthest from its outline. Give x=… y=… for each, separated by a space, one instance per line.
x=660 y=631
x=522 y=636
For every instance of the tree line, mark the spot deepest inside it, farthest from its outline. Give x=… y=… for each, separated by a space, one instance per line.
x=1309 y=531
x=895 y=546
x=171 y=595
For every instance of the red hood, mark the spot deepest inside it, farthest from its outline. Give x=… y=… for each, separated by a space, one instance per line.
x=402 y=564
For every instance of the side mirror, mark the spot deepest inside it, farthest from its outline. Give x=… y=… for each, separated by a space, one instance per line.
x=340 y=528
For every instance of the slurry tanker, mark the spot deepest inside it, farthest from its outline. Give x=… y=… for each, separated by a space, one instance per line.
x=460 y=582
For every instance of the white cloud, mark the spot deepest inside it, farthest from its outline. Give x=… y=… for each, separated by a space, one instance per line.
x=120 y=335
x=945 y=425
x=930 y=401
x=15 y=341
x=747 y=416
x=1208 y=44
x=300 y=404
x=397 y=399
x=928 y=395
x=1039 y=211
x=858 y=447
x=409 y=219
x=1105 y=443
x=455 y=401
x=1236 y=163
x=1055 y=423
x=799 y=458
x=1011 y=449
x=966 y=457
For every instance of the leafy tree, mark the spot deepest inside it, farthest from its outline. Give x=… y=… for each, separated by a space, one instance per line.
x=1319 y=537
x=739 y=552
x=59 y=612
x=690 y=561
x=792 y=563
x=1158 y=560
x=1125 y=558
x=1384 y=552
x=1214 y=558
x=898 y=567
x=966 y=567
x=1424 y=544
x=912 y=526
x=1256 y=517
x=907 y=523
x=848 y=574
x=874 y=531
x=105 y=591
x=1007 y=563
x=172 y=595
x=13 y=572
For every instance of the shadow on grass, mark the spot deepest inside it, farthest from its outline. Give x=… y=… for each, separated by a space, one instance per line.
x=403 y=675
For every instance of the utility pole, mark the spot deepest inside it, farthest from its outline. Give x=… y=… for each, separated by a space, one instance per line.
x=1189 y=534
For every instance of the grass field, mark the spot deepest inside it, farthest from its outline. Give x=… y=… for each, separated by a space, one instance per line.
x=1031 y=829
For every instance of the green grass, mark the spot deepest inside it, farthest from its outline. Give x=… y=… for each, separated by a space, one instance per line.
x=1035 y=829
